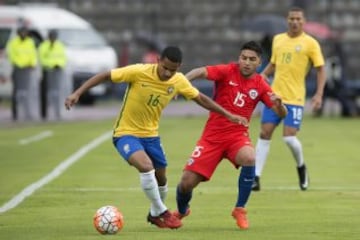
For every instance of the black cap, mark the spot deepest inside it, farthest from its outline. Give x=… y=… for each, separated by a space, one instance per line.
x=53 y=33
x=22 y=28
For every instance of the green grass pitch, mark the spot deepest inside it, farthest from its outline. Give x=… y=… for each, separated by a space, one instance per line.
x=63 y=208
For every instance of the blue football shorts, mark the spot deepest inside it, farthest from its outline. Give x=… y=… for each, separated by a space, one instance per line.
x=292 y=119
x=127 y=145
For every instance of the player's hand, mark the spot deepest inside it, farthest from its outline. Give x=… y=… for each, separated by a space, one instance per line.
x=238 y=119
x=279 y=108
x=275 y=98
x=71 y=100
x=316 y=102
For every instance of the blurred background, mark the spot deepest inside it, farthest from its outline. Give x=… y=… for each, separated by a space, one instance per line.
x=211 y=32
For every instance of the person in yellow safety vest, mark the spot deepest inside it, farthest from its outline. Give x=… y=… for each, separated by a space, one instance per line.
x=53 y=61
x=22 y=54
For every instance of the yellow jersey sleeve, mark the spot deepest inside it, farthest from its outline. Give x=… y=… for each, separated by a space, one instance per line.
x=125 y=74
x=186 y=89
x=293 y=57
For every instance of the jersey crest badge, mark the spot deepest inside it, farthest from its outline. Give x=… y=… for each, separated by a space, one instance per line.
x=170 y=90
x=253 y=94
x=190 y=161
x=298 y=48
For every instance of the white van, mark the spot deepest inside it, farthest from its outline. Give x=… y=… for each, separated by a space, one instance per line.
x=87 y=51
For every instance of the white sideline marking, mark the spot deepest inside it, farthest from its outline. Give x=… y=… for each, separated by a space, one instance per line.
x=35 y=138
x=26 y=192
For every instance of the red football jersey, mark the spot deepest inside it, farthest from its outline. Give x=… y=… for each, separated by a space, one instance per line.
x=237 y=94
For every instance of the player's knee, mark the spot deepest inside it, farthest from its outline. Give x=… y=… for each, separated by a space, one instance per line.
x=246 y=159
x=144 y=166
x=245 y=156
x=267 y=131
x=265 y=134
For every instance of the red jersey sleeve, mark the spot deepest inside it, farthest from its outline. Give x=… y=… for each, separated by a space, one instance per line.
x=216 y=72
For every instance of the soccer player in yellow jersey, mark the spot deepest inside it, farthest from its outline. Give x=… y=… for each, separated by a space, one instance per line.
x=293 y=53
x=150 y=89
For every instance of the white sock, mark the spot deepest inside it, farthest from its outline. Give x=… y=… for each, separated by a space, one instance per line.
x=163 y=193
x=150 y=187
x=163 y=190
x=261 y=151
x=296 y=149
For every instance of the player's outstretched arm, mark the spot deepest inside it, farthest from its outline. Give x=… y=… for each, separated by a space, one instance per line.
x=211 y=105
x=196 y=73
x=278 y=107
x=73 y=98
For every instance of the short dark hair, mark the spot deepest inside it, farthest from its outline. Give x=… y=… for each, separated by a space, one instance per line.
x=254 y=46
x=296 y=9
x=172 y=53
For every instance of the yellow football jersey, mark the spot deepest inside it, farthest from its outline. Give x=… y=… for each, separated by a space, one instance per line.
x=293 y=58
x=145 y=98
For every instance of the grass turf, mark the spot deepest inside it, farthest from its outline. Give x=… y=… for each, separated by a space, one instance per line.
x=63 y=209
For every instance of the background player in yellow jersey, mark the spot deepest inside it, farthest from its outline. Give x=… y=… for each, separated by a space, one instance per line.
x=150 y=88
x=293 y=53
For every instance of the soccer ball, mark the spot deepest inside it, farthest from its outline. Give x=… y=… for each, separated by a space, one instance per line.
x=108 y=220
